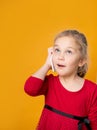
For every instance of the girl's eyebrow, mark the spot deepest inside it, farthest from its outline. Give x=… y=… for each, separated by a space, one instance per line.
x=55 y=45
x=68 y=47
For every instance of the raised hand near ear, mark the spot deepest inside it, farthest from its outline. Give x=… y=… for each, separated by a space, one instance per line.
x=49 y=57
x=41 y=73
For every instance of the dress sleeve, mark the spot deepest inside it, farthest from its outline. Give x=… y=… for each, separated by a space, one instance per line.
x=35 y=86
x=93 y=110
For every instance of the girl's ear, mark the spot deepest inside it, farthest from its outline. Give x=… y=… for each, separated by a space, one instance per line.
x=82 y=62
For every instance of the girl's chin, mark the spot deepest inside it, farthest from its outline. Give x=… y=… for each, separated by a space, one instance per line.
x=61 y=73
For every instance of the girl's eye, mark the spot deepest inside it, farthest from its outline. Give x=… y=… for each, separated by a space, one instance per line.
x=69 y=52
x=57 y=50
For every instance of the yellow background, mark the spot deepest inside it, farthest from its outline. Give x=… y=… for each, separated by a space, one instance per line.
x=27 y=29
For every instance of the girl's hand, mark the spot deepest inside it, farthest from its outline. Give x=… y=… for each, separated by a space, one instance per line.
x=48 y=60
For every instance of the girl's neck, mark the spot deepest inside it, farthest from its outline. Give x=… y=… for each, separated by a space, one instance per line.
x=69 y=78
x=73 y=83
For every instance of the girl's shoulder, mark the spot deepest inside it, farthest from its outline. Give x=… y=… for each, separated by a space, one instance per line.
x=90 y=84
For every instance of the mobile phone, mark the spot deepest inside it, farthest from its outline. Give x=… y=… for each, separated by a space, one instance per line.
x=52 y=65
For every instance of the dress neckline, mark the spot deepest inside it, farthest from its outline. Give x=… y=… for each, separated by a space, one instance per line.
x=64 y=89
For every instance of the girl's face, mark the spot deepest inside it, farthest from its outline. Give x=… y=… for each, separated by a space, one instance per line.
x=66 y=56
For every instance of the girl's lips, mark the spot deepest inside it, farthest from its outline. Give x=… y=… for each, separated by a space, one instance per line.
x=59 y=65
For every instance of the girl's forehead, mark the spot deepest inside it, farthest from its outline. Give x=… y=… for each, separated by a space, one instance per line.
x=66 y=42
x=65 y=38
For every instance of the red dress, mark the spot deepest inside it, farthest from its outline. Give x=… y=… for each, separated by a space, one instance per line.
x=81 y=103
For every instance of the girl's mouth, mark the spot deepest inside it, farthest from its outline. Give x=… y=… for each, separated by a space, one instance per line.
x=61 y=66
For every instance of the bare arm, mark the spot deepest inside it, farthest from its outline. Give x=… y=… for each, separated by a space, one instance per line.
x=41 y=73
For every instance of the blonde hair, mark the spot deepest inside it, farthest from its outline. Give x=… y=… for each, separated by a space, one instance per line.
x=82 y=41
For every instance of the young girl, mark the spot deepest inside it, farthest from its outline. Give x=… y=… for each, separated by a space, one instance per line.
x=70 y=100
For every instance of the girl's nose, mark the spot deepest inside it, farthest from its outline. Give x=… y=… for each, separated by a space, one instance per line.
x=61 y=56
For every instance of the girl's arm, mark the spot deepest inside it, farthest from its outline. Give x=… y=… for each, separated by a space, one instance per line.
x=35 y=84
